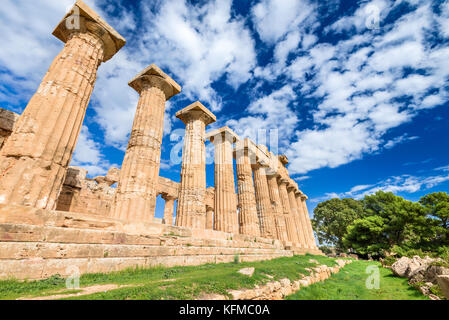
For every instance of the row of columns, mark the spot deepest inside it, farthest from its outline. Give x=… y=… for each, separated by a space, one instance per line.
x=34 y=160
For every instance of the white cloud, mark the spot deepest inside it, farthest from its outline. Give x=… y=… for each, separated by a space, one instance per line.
x=27 y=44
x=401 y=139
x=269 y=112
x=445 y=168
x=201 y=44
x=274 y=18
x=369 y=14
x=395 y=184
x=88 y=154
x=362 y=92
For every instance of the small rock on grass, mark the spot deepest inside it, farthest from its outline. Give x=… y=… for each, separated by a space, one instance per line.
x=247 y=271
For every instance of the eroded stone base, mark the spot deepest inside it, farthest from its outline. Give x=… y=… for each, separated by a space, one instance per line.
x=37 y=243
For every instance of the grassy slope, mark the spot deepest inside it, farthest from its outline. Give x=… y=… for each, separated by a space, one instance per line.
x=171 y=283
x=349 y=284
x=191 y=282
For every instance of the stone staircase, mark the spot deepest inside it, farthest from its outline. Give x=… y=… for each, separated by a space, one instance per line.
x=36 y=244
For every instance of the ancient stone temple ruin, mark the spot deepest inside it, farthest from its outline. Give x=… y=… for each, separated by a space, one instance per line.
x=54 y=219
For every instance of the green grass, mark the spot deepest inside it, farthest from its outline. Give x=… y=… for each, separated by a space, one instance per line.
x=349 y=284
x=171 y=283
x=191 y=282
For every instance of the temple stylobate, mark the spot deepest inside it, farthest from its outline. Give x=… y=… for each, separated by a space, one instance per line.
x=58 y=214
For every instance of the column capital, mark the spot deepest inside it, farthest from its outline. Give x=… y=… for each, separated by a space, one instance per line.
x=225 y=133
x=283 y=159
x=196 y=111
x=153 y=76
x=283 y=181
x=82 y=19
x=168 y=197
x=304 y=197
x=275 y=175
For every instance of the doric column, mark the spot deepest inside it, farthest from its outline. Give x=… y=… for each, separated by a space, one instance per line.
x=295 y=215
x=289 y=220
x=135 y=198
x=303 y=220
x=278 y=212
x=225 y=217
x=264 y=210
x=209 y=218
x=191 y=210
x=248 y=219
x=302 y=200
x=168 y=209
x=34 y=159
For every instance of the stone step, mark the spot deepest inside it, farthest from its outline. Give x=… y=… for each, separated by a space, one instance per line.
x=22 y=215
x=39 y=268
x=26 y=250
x=31 y=233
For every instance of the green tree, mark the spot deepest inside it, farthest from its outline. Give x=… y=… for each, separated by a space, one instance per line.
x=437 y=207
x=332 y=217
x=389 y=220
x=366 y=236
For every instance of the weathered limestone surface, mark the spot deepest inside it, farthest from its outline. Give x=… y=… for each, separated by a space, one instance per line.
x=304 y=220
x=264 y=210
x=168 y=209
x=225 y=217
x=248 y=216
x=308 y=224
x=136 y=194
x=277 y=209
x=36 y=243
x=289 y=220
x=95 y=196
x=81 y=194
x=34 y=159
x=191 y=209
x=295 y=213
x=7 y=121
x=209 y=218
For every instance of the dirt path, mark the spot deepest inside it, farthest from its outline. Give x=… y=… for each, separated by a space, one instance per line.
x=84 y=291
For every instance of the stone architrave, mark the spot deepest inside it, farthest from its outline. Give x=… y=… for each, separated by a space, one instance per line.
x=168 y=209
x=309 y=223
x=278 y=212
x=248 y=218
x=295 y=215
x=34 y=159
x=135 y=199
x=264 y=209
x=209 y=218
x=225 y=217
x=290 y=224
x=191 y=209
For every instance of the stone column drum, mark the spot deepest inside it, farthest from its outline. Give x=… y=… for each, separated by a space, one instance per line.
x=289 y=221
x=278 y=211
x=295 y=216
x=209 y=218
x=264 y=210
x=248 y=219
x=309 y=223
x=191 y=210
x=225 y=217
x=34 y=159
x=135 y=198
x=168 y=209
x=303 y=220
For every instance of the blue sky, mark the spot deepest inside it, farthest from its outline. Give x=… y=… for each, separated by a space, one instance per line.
x=357 y=90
